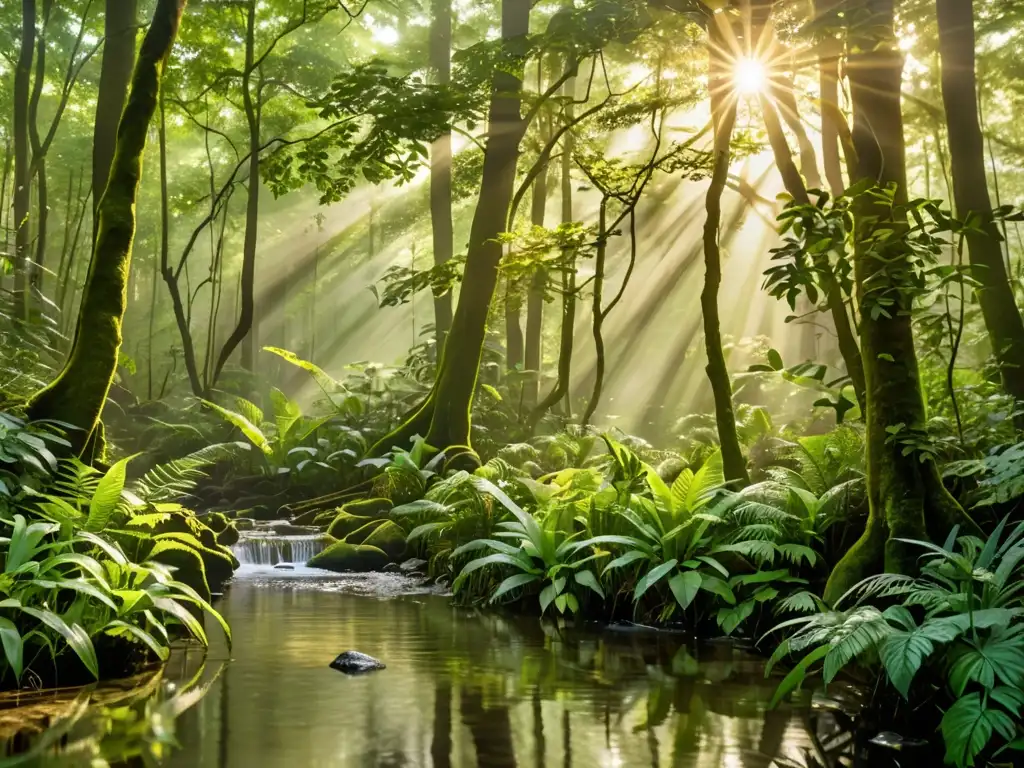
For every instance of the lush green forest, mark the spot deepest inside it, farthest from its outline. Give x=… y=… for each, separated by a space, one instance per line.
x=696 y=315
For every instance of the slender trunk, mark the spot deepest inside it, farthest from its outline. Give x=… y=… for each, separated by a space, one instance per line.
x=724 y=120
x=597 y=313
x=22 y=181
x=514 y=339
x=828 y=76
x=79 y=392
x=37 y=166
x=568 y=287
x=247 y=313
x=970 y=191
x=180 y=317
x=905 y=493
x=785 y=96
x=441 y=167
x=66 y=278
x=152 y=320
x=794 y=184
x=5 y=219
x=447 y=409
x=119 y=26
x=68 y=224
x=533 y=356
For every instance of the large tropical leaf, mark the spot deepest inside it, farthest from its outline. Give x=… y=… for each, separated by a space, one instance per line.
x=251 y=431
x=107 y=496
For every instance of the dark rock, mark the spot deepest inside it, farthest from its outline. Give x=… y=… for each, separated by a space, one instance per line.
x=355 y=663
x=245 y=523
x=284 y=567
x=350 y=558
x=391 y=568
x=412 y=564
x=287 y=529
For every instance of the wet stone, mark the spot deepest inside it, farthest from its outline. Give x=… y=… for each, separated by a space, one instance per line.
x=356 y=663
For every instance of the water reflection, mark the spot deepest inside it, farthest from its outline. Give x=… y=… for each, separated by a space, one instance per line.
x=465 y=689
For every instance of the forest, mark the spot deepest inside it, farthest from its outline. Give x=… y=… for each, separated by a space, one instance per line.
x=562 y=320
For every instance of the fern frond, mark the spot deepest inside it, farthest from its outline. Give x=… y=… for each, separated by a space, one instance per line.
x=177 y=479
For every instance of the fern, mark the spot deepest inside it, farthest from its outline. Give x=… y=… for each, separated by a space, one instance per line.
x=177 y=479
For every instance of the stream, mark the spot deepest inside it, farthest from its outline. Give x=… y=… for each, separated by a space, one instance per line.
x=467 y=688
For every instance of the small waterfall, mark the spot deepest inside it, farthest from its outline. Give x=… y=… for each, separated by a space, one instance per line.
x=271 y=550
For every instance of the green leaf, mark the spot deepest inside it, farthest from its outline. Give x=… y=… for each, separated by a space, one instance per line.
x=902 y=654
x=730 y=618
x=587 y=578
x=652 y=577
x=546 y=596
x=718 y=587
x=966 y=729
x=797 y=675
x=685 y=587
x=999 y=656
x=286 y=413
x=512 y=582
x=76 y=637
x=252 y=432
x=14 y=646
x=107 y=496
x=161 y=650
x=171 y=606
x=630 y=557
x=498 y=558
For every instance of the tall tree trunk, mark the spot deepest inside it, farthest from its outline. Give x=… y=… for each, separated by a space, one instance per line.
x=119 y=26
x=441 y=167
x=905 y=493
x=970 y=191
x=724 y=121
x=514 y=339
x=597 y=311
x=37 y=167
x=533 y=356
x=828 y=77
x=447 y=409
x=78 y=393
x=794 y=184
x=22 y=180
x=568 y=323
x=247 y=313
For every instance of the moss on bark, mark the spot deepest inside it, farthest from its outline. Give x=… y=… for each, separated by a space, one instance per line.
x=79 y=392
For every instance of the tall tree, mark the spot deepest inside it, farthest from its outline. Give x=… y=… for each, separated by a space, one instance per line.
x=79 y=392
x=119 y=26
x=905 y=493
x=723 y=118
x=441 y=167
x=970 y=191
x=22 y=182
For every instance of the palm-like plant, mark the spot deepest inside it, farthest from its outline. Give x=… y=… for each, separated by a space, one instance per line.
x=962 y=615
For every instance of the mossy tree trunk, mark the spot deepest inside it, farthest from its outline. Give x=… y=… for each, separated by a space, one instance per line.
x=441 y=167
x=78 y=393
x=905 y=493
x=115 y=75
x=970 y=191
x=444 y=417
x=723 y=107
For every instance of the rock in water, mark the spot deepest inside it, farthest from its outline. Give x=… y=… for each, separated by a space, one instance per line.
x=355 y=663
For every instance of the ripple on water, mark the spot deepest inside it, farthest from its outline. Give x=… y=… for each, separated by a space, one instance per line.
x=302 y=578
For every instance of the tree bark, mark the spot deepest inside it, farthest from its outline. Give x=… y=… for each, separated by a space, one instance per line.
x=828 y=77
x=119 y=25
x=970 y=191
x=22 y=180
x=79 y=392
x=724 y=121
x=441 y=168
x=905 y=493
x=533 y=359
x=446 y=411
x=247 y=313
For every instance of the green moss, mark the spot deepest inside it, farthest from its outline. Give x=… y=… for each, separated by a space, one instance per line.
x=389 y=538
x=376 y=507
x=345 y=523
x=190 y=568
x=360 y=535
x=228 y=537
x=350 y=558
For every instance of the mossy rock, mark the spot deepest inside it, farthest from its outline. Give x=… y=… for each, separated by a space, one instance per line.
x=216 y=521
x=228 y=537
x=326 y=517
x=374 y=508
x=360 y=535
x=389 y=538
x=350 y=558
x=220 y=564
x=345 y=523
x=189 y=565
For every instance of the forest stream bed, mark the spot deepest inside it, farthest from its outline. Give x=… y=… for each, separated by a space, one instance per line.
x=461 y=688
